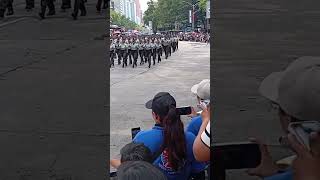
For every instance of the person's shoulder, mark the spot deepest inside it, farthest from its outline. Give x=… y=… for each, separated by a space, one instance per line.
x=196 y=118
x=145 y=132
x=190 y=137
x=148 y=132
x=140 y=136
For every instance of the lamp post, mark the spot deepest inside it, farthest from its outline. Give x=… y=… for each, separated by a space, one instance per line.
x=193 y=12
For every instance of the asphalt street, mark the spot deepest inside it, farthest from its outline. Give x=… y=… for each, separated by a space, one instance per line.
x=131 y=88
x=53 y=105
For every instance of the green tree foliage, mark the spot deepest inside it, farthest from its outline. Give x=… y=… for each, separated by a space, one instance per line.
x=166 y=14
x=151 y=15
x=202 y=11
x=203 y=5
x=120 y=20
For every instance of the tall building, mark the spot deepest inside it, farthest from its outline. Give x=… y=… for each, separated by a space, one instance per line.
x=129 y=8
x=117 y=5
x=138 y=12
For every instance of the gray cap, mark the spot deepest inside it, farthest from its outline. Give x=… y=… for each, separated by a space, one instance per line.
x=296 y=89
x=202 y=89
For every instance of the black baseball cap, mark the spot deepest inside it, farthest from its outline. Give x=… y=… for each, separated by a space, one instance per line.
x=161 y=102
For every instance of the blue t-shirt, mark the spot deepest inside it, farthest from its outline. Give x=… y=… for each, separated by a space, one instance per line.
x=287 y=175
x=153 y=139
x=194 y=125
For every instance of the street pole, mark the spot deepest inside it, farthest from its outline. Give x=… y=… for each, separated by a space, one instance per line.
x=193 y=17
x=193 y=12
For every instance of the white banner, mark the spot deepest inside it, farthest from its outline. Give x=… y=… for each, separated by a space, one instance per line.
x=190 y=16
x=208 y=9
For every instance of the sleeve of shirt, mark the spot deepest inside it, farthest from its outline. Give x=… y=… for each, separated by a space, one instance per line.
x=205 y=136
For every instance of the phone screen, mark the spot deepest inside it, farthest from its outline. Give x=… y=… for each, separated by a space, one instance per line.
x=236 y=155
x=184 y=110
x=302 y=131
x=134 y=132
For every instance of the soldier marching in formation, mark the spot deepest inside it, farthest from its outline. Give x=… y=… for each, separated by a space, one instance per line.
x=6 y=7
x=149 y=48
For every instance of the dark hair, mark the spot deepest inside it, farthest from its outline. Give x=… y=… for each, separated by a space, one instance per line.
x=174 y=142
x=135 y=152
x=139 y=170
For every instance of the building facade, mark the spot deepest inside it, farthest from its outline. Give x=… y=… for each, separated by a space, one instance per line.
x=128 y=8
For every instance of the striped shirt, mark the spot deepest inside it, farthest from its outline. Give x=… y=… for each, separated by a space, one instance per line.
x=205 y=136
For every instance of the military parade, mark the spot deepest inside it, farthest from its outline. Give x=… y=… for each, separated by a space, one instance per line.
x=6 y=7
x=149 y=49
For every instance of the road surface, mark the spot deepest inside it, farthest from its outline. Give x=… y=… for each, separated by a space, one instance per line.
x=53 y=90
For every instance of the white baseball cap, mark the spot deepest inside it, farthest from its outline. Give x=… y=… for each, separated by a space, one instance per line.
x=202 y=89
x=296 y=89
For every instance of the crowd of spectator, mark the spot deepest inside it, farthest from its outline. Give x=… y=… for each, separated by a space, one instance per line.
x=195 y=37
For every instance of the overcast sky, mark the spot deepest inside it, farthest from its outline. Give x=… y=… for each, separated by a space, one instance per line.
x=144 y=5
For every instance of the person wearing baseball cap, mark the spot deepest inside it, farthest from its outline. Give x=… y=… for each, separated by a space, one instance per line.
x=170 y=145
x=200 y=125
x=202 y=92
x=296 y=93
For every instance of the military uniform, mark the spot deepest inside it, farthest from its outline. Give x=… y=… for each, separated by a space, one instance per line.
x=154 y=52
x=99 y=3
x=118 y=52
x=124 y=53
x=177 y=43
x=134 y=52
x=165 y=48
x=44 y=5
x=129 y=52
x=159 y=51
x=112 y=53
x=66 y=4
x=141 y=52
x=169 y=46
x=79 y=4
x=172 y=40
x=29 y=4
x=6 y=4
x=148 y=53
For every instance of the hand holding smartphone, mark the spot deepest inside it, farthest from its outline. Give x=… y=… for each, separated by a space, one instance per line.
x=184 y=110
x=135 y=131
x=302 y=130
x=204 y=104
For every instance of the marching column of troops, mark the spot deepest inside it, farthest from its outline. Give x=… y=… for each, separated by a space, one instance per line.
x=149 y=49
x=7 y=6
